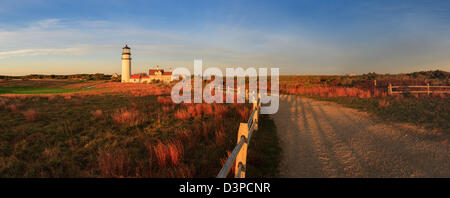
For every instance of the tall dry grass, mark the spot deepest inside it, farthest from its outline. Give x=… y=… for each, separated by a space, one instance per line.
x=165 y=100
x=130 y=117
x=335 y=91
x=114 y=162
x=169 y=153
x=383 y=103
x=182 y=114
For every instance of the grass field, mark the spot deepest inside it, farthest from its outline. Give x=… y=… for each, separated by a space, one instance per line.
x=430 y=111
x=118 y=130
x=28 y=90
x=43 y=86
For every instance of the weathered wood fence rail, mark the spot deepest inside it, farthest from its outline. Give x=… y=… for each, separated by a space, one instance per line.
x=239 y=153
x=425 y=89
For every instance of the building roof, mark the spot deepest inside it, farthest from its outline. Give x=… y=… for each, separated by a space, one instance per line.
x=138 y=76
x=153 y=71
x=126 y=47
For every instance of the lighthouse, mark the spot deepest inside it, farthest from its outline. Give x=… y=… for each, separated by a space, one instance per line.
x=126 y=64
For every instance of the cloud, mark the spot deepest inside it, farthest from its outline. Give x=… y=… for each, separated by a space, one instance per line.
x=48 y=23
x=37 y=52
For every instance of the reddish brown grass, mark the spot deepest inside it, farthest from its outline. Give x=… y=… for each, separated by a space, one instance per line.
x=165 y=100
x=220 y=110
x=114 y=162
x=30 y=114
x=136 y=89
x=98 y=114
x=51 y=98
x=183 y=134
x=168 y=153
x=383 y=103
x=2 y=104
x=161 y=154
x=13 y=108
x=205 y=130
x=182 y=114
x=244 y=112
x=220 y=137
x=207 y=109
x=129 y=117
x=194 y=110
x=335 y=91
x=167 y=109
x=182 y=171
x=175 y=152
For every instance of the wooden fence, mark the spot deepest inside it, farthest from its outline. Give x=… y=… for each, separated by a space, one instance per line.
x=239 y=153
x=424 y=89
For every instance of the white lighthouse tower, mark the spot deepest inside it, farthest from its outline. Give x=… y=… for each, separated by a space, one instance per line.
x=126 y=64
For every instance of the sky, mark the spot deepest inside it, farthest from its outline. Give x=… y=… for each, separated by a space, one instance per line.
x=299 y=37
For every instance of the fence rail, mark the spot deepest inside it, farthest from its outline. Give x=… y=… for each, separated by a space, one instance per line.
x=239 y=153
x=428 y=89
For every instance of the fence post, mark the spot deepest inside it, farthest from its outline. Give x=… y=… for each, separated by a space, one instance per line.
x=258 y=98
x=374 y=86
x=242 y=155
x=255 y=117
x=428 y=88
x=390 y=89
x=247 y=97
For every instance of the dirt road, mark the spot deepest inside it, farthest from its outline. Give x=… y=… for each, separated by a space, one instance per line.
x=323 y=139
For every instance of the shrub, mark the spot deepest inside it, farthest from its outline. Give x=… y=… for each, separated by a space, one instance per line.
x=30 y=114
x=98 y=114
x=383 y=103
x=2 y=104
x=51 y=98
x=176 y=152
x=129 y=117
x=171 y=152
x=161 y=154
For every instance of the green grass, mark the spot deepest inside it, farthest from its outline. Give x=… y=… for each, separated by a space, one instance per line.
x=429 y=112
x=264 y=151
x=29 y=90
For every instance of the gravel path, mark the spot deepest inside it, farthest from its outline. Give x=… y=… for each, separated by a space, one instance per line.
x=323 y=139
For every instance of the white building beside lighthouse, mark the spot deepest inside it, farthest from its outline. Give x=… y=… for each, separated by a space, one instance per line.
x=126 y=64
x=154 y=75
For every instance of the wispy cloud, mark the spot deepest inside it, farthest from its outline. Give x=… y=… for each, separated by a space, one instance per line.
x=47 y=23
x=37 y=52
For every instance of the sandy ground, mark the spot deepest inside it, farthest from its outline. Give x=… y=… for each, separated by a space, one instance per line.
x=323 y=139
